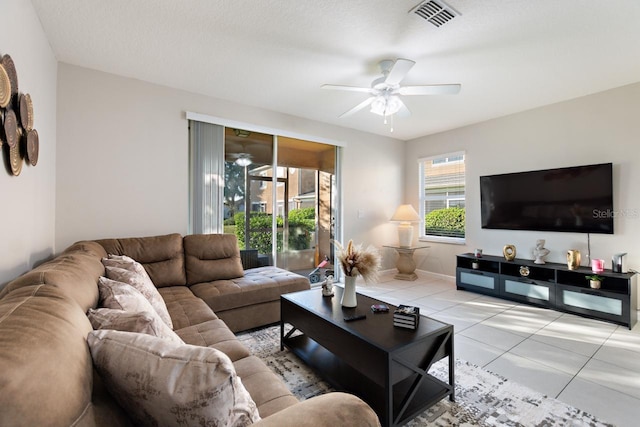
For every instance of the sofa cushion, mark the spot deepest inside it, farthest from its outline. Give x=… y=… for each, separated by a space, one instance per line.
x=266 y=389
x=216 y=334
x=45 y=365
x=142 y=282
x=210 y=257
x=129 y=321
x=185 y=308
x=161 y=256
x=259 y=285
x=174 y=385
x=75 y=272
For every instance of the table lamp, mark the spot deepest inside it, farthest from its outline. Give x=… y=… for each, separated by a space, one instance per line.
x=405 y=215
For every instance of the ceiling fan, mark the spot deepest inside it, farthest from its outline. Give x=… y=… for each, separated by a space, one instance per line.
x=385 y=91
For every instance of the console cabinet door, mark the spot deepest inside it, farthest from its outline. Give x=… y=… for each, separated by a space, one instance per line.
x=477 y=281
x=526 y=290
x=594 y=303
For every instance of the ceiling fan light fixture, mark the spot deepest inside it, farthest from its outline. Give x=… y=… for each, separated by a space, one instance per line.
x=385 y=105
x=243 y=160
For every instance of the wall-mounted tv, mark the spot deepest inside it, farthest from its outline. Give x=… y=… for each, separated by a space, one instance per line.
x=575 y=199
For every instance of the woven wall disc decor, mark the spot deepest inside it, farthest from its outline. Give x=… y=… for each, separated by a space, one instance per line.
x=10 y=68
x=19 y=140
x=33 y=146
x=26 y=111
x=11 y=128
x=15 y=159
x=5 y=87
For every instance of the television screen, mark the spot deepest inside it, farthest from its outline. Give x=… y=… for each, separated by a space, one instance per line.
x=575 y=199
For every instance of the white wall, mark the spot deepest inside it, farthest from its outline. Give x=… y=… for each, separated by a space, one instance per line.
x=599 y=128
x=123 y=159
x=27 y=206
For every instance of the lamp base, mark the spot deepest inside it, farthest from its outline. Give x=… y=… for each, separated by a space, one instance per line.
x=405 y=235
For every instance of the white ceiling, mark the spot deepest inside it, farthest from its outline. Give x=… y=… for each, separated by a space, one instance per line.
x=509 y=56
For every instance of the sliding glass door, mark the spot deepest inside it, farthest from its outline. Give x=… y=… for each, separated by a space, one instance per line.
x=280 y=198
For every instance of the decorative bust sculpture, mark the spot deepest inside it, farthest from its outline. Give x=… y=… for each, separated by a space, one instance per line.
x=540 y=252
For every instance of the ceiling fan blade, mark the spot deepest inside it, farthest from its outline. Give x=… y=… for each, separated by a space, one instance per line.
x=403 y=111
x=347 y=88
x=358 y=107
x=450 y=89
x=399 y=71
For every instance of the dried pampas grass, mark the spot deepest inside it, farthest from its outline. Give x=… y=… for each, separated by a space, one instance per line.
x=358 y=261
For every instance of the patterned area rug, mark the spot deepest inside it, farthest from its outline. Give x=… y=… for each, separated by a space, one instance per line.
x=482 y=397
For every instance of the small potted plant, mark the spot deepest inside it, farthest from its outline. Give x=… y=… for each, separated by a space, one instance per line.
x=595 y=280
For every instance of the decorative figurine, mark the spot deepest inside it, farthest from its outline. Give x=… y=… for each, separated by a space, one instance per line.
x=509 y=252
x=327 y=287
x=540 y=252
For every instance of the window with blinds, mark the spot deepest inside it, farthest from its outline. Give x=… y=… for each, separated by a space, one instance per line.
x=442 y=197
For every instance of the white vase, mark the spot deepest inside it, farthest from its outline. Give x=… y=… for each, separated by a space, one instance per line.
x=349 y=293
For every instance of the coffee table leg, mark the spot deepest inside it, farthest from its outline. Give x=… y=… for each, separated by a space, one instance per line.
x=281 y=335
x=452 y=364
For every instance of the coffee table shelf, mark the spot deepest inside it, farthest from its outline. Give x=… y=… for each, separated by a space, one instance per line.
x=384 y=365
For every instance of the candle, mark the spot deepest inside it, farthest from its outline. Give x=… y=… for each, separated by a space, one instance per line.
x=597 y=265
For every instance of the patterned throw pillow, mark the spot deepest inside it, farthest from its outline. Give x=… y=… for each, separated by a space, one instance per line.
x=125 y=269
x=123 y=261
x=160 y=383
x=143 y=322
x=122 y=296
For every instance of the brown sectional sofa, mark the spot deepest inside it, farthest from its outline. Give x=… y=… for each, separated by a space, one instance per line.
x=46 y=372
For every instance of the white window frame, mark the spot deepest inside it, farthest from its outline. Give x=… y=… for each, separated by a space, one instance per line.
x=421 y=197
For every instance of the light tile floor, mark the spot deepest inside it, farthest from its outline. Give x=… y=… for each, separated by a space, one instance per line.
x=592 y=365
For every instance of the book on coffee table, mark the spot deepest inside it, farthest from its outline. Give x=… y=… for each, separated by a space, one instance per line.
x=406 y=316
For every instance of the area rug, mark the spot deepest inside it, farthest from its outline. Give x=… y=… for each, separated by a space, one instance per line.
x=483 y=398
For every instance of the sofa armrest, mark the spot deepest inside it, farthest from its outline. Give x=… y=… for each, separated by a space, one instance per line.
x=331 y=410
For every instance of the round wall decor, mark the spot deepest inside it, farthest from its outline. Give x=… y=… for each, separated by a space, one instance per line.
x=33 y=144
x=16 y=121
x=15 y=160
x=11 y=128
x=5 y=87
x=10 y=68
x=26 y=111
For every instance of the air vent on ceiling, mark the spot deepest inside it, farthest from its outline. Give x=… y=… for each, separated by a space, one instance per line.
x=436 y=12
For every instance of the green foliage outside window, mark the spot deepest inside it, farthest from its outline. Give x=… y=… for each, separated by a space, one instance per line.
x=301 y=226
x=447 y=222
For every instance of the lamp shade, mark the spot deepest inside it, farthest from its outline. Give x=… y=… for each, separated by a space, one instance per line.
x=405 y=213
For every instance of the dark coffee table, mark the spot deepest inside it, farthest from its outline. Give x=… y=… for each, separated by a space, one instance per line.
x=385 y=365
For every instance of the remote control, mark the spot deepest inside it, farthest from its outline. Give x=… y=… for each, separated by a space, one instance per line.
x=356 y=317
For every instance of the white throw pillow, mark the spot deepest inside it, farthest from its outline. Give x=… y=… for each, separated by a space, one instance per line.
x=161 y=383
x=143 y=322
x=125 y=269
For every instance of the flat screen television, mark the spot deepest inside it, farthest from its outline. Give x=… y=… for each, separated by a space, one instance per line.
x=575 y=199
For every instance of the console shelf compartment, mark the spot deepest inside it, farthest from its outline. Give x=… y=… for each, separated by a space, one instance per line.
x=551 y=285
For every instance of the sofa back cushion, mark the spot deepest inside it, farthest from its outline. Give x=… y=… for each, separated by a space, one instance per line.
x=210 y=257
x=161 y=256
x=45 y=365
x=75 y=272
